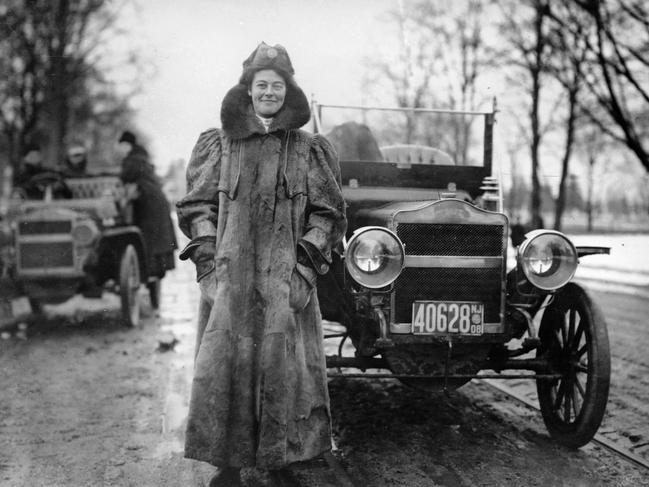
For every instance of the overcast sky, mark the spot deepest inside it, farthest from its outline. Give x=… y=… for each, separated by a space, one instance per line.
x=198 y=47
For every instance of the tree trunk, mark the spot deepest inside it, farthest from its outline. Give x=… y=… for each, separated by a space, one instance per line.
x=59 y=84
x=570 y=132
x=589 y=198
x=535 y=70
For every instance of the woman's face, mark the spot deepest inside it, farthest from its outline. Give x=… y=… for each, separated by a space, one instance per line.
x=268 y=90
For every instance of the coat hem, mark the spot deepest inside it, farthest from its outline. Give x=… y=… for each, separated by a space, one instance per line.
x=265 y=466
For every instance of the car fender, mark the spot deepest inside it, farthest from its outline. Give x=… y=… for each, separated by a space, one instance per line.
x=120 y=237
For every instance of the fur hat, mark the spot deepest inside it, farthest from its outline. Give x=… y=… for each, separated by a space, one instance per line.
x=267 y=57
x=237 y=115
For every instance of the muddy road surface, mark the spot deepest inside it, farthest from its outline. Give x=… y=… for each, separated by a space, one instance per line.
x=87 y=402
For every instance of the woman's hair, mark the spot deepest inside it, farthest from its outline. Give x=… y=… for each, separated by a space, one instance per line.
x=249 y=75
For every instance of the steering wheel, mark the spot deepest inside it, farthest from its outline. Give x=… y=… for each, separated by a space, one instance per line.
x=41 y=181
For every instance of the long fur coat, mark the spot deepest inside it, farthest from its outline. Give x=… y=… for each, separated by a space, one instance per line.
x=259 y=394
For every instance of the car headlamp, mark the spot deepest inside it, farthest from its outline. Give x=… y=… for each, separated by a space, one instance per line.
x=85 y=232
x=548 y=259
x=374 y=257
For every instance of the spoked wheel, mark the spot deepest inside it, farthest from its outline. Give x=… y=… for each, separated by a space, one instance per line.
x=154 y=291
x=129 y=286
x=574 y=340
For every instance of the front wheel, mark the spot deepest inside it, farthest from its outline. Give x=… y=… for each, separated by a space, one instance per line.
x=574 y=341
x=129 y=286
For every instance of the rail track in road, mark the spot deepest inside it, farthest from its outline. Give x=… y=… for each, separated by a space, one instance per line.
x=598 y=439
x=343 y=479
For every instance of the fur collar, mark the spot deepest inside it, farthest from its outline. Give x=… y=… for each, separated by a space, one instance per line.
x=239 y=121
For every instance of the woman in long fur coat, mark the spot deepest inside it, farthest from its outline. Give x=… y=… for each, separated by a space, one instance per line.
x=263 y=210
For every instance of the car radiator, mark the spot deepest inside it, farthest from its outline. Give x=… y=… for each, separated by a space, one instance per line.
x=44 y=245
x=438 y=279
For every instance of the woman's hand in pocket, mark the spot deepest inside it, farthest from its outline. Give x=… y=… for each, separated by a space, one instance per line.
x=303 y=281
x=207 y=285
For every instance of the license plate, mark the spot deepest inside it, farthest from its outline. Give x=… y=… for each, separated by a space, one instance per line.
x=447 y=318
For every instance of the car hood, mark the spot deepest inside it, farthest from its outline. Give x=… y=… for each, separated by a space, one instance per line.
x=450 y=210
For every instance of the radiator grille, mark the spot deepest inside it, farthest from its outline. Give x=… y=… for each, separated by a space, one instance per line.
x=44 y=255
x=450 y=284
x=451 y=239
x=44 y=227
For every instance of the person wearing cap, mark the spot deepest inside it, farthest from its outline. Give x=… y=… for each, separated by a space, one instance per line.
x=264 y=210
x=31 y=164
x=34 y=178
x=151 y=210
x=76 y=161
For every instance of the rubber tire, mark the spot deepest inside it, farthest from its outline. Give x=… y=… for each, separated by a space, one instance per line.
x=593 y=340
x=129 y=285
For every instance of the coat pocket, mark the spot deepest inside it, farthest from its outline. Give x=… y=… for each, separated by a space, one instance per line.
x=302 y=287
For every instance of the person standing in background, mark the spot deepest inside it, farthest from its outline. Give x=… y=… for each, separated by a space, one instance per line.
x=151 y=210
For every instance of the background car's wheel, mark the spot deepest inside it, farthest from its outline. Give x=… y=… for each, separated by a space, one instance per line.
x=154 y=285
x=574 y=340
x=129 y=286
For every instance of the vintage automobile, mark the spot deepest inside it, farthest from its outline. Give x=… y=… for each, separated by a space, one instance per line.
x=424 y=286
x=79 y=237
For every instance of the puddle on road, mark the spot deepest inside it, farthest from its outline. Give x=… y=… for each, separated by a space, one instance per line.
x=177 y=317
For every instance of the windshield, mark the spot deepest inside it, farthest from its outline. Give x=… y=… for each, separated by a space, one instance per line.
x=404 y=136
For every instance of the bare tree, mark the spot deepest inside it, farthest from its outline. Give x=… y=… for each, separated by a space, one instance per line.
x=594 y=145
x=51 y=51
x=439 y=45
x=409 y=75
x=526 y=34
x=21 y=86
x=615 y=35
x=567 y=64
x=461 y=30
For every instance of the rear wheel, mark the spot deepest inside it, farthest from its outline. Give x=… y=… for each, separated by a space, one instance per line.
x=574 y=340
x=129 y=286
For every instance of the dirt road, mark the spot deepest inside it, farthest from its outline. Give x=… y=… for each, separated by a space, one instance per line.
x=86 y=402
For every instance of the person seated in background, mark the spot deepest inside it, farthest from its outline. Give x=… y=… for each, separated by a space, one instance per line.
x=76 y=162
x=35 y=180
x=151 y=210
x=31 y=165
